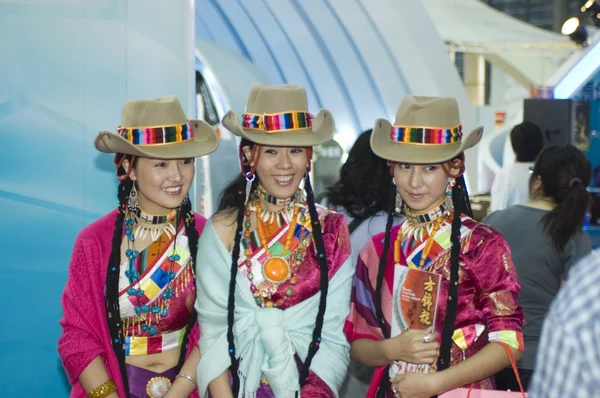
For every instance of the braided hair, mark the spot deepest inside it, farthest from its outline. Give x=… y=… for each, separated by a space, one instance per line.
x=113 y=314
x=233 y=199
x=460 y=202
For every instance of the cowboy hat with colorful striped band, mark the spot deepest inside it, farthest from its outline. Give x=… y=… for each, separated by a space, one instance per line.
x=279 y=116
x=158 y=128
x=427 y=130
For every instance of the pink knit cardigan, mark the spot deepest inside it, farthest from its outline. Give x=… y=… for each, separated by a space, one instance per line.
x=85 y=332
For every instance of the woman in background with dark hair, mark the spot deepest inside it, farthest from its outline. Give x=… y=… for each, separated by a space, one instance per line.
x=362 y=196
x=478 y=289
x=545 y=239
x=275 y=289
x=511 y=184
x=129 y=326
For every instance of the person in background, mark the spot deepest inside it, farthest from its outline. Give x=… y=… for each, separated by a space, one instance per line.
x=511 y=185
x=567 y=359
x=545 y=239
x=362 y=196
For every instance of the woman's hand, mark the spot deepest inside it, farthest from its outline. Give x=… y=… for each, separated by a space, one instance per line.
x=415 y=385
x=413 y=346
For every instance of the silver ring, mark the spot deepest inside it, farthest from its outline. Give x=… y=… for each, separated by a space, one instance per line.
x=427 y=338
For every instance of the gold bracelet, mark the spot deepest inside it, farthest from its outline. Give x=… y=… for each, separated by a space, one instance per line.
x=104 y=390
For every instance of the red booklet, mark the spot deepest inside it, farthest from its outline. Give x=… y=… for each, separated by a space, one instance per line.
x=415 y=300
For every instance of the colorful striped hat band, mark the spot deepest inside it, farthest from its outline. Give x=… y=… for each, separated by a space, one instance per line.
x=426 y=135
x=157 y=135
x=276 y=122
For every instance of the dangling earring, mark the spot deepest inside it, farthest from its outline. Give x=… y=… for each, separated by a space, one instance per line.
x=449 y=188
x=398 y=205
x=249 y=180
x=132 y=200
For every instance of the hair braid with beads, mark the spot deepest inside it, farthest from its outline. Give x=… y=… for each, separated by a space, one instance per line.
x=323 y=282
x=191 y=232
x=113 y=313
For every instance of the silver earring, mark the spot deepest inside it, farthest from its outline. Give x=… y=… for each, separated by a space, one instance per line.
x=398 y=207
x=132 y=200
x=398 y=204
x=249 y=180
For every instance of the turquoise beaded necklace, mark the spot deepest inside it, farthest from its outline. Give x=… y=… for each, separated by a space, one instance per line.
x=143 y=310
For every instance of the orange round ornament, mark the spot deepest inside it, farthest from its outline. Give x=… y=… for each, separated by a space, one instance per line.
x=276 y=270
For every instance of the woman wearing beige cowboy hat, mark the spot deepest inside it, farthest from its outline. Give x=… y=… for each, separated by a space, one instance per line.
x=276 y=283
x=129 y=326
x=421 y=350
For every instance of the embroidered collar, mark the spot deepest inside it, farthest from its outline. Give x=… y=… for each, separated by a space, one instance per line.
x=154 y=219
x=298 y=199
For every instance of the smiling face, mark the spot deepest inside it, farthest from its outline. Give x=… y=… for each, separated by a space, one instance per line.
x=280 y=169
x=420 y=186
x=162 y=184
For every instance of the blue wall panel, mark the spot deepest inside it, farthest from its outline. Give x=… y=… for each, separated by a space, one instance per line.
x=352 y=75
x=65 y=70
x=320 y=70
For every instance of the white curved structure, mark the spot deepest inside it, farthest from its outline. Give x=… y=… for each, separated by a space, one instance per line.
x=357 y=58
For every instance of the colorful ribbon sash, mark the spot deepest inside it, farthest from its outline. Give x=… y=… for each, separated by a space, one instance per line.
x=276 y=122
x=155 y=280
x=426 y=136
x=157 y=135
x=135 y=345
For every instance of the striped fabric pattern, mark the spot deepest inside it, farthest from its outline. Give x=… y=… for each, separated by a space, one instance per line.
x=426 y=136
x=140 y=345
x=272 y=123
x=157 y=135
x=362 y=322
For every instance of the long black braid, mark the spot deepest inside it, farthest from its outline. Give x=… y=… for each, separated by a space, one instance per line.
x=112 y=276
x=385 y=381
x=323 y=283
x=192 y=234
x=240 y=201
x=461 y=206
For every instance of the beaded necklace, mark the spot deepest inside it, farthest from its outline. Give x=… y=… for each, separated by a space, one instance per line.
x=275 y=270
x=419 y=226
x=160 y=307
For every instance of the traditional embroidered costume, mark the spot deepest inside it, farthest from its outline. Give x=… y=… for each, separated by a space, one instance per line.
x=487 y=291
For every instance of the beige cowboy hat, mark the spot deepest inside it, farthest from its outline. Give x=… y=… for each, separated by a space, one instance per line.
x=278 y=116
x=157 y=128
x=427 y=130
